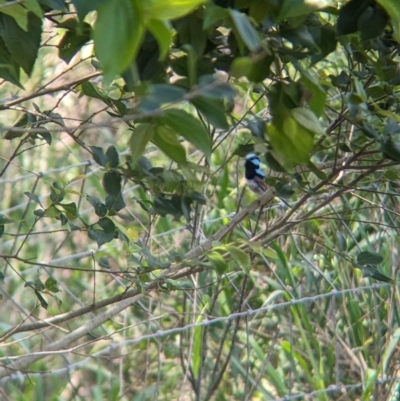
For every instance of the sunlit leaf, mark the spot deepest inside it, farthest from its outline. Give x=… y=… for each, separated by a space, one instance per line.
x=307 y=119
x=70 y=209
x=171 y=9
x=240 y=257
x=392 y=8
x=117 y=35
x=292 y=143
x=163 y=33
x=51 y=285
x=218 y=262
x=168 y=142
x=296 y=8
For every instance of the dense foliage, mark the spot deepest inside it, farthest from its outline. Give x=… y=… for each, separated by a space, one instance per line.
x=134 y=265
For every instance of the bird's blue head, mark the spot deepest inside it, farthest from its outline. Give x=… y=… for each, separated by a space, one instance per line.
x=252 y=167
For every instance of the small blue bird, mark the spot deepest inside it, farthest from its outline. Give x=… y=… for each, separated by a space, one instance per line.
x=255 y=176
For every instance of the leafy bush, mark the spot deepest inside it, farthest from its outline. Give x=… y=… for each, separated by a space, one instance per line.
x=134 y=263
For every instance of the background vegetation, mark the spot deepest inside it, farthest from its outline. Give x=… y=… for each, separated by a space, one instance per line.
x=134 y=265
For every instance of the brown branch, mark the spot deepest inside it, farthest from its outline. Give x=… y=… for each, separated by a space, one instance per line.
x=48 y=91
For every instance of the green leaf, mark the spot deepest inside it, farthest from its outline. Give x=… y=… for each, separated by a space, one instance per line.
x=297 y=8
x=390 y=149
x=319 y=173
x=154 y=262
x=107 y=225
x=99 y=207
x=307 y=119
x=244 y=149
x=104 y=262
x=171 y=9
x=70 y=209
x=39 y=212
x=197 y=197
x=23 y=46
x=372 y=22
x=327 y=43
x=218 y=262
x=161 y=93
x=165 y=93
x=190 y=32
x=103 y=235
x=33 y=5
x=18 y=13
x=341 y=241
x=172 y=205
x=213 y=15
x=246 y=31
x=117 y=35
x=45 y=135
x=89 y=89
x=393 y=10
x=62 y=218
x=240 y=257
x=318 y=94
x=55 y=4
x=52 y=211
x=83 y=7
x=53 y=117
x=9 y=68
x=369 y=271
x=57 y=193
x=115 y=203
x=189 y=127
x=5 y=220
x=197 y=353
x=348 y=16
x=112 y=183
x=112 y=156
x=1 y=230
x=162 y=31
x=168 y=143
x=290 y=142
x=211 y=87
x=98 y=155
x=254 y=69
x=140 y=137
x=51 y=285
x=390 y=348
x=371 y=258
x=283 y=191
x=371 y=376
x=213 y=110
x=32 y=197
x=43 y=302
x=241 y=66
x=73 y=40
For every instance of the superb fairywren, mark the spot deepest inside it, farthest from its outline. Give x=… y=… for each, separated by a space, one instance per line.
x=255 y=176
